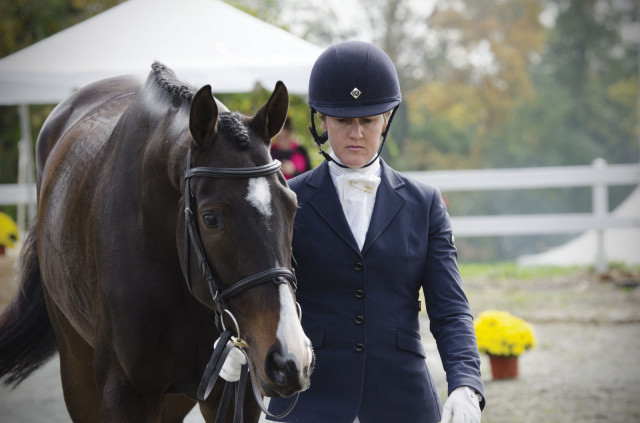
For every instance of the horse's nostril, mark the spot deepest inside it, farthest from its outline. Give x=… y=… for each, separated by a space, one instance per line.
x=282 y=369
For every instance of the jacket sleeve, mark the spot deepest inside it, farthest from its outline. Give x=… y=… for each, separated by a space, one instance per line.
x=447 y=306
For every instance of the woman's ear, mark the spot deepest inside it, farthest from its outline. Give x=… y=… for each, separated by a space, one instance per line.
x=386 y=116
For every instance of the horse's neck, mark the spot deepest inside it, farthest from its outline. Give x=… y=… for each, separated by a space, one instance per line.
x=162 y=176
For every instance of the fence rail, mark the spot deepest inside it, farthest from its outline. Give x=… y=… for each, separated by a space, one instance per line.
x=11 y=194
x=599 y=176
x=599 y=173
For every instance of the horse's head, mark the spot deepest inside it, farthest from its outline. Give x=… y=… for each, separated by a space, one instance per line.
x=242 y=212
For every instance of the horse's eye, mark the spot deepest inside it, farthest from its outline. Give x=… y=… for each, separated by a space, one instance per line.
x=211 y=220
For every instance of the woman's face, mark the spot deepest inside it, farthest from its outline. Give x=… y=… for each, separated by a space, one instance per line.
x=355 y=140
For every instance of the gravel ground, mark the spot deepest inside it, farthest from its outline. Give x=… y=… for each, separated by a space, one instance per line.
x=585 y=367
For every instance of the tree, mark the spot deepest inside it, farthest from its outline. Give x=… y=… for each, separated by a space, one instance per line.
x=589 y=54
x=22 y=23
x=481 y=54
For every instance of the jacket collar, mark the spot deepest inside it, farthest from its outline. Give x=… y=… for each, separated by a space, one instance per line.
x=389 y=201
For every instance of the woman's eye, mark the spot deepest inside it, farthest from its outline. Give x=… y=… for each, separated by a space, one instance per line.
x=211 y=220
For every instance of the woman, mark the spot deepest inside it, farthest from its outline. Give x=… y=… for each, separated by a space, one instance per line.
x=366 y=239
x=292 y=155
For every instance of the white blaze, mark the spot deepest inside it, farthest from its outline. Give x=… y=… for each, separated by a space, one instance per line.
x=259 y=195
x=290 y=332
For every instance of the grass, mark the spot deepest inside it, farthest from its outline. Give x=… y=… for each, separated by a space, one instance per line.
x=546 y=292
x=510 y=270
x=551 y=293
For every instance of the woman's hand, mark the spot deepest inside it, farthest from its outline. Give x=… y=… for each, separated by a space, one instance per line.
x=462 y=406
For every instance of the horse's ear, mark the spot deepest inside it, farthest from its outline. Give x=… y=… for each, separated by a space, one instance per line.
x=204 y=116
x=271 y=116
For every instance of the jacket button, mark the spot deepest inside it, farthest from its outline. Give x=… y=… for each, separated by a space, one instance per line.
x=358 y=266
x=359 y=293
x=359 y=319
x=359 y=347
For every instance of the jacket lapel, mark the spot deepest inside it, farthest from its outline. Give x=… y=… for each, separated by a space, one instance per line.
x=326 y=203
x=388 y=204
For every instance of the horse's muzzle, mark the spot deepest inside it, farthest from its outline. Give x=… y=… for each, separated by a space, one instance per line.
x=285 y=373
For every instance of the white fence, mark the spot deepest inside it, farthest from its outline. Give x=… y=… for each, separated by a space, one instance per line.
x=599 y=176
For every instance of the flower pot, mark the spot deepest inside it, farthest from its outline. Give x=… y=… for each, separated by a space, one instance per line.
x=504 y=367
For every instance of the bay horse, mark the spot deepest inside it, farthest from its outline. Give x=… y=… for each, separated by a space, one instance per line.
x=154 y=203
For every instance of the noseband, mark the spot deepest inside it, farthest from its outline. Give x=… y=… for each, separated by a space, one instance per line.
x=221 y=297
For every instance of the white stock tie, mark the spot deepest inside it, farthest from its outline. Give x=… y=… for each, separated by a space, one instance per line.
x=357 y=193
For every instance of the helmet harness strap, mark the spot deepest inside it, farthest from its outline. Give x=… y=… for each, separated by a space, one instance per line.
x=322 y=138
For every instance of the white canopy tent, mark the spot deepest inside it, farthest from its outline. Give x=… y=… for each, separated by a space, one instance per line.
x=202 y=41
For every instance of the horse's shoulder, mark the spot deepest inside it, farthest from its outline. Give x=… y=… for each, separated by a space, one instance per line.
x=110 y=96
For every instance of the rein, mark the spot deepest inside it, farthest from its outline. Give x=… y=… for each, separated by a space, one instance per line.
x=221 y=297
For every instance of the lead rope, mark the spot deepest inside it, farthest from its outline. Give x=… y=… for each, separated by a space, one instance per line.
x=210 y=376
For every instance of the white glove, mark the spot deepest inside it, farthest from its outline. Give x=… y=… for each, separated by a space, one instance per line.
x=462 y=406
x=232 y=364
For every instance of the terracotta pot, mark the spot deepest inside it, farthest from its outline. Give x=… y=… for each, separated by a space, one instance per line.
x=504 y=367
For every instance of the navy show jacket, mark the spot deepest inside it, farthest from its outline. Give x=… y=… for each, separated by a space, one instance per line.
x=360 y=308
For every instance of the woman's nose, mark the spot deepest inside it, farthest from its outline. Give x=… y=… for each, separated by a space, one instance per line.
x=355 y=130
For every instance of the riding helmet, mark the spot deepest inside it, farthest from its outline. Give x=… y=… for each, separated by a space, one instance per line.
x=354 y=79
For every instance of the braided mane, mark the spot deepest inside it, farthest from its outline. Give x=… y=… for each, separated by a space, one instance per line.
x=167 y=80
x=228 y=123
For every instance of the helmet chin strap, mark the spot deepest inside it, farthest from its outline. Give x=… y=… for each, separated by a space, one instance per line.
x=322 y=138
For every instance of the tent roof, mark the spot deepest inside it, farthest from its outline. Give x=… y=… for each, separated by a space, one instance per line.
x=203 y=41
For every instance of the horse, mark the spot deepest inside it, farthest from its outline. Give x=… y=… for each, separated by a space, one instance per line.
x=162 y=220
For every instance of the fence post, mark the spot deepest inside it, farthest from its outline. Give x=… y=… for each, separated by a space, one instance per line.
x=26 y=212
x=600 y=206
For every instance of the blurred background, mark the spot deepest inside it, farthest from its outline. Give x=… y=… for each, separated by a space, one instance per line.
x=515 y=92
x=486 y=84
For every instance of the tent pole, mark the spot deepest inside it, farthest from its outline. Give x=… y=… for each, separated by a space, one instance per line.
x=26 y=212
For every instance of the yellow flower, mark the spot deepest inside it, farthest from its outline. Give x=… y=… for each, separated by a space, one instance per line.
x=8 y=231
x=500 y=333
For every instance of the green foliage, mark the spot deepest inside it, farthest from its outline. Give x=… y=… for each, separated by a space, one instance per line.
x=266 y=10
x=509 y=270
x=24 y=22
x=9 y=136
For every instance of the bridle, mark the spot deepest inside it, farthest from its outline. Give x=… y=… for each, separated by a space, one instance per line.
x=221 y=297
x=278 y=275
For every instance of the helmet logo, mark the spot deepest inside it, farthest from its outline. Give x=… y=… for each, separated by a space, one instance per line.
x=355 y=93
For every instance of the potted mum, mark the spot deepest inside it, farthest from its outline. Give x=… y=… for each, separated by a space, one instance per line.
x=8 y=232
x=503 y=337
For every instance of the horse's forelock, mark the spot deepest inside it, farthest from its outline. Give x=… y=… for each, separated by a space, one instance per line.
x=231 y=125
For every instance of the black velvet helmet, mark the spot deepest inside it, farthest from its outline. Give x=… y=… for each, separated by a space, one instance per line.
x=353 y=79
